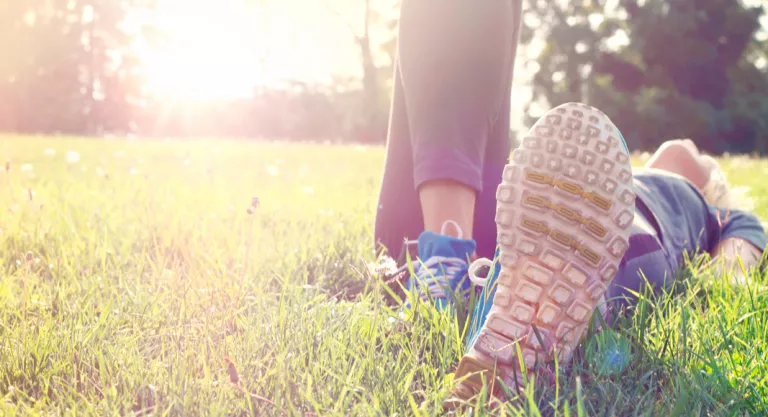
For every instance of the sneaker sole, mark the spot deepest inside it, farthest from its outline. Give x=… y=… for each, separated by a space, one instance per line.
x=565 y=207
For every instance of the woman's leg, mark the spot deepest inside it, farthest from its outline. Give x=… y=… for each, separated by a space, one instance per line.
x=398 y=215
x=454 y=69
x=496 y=158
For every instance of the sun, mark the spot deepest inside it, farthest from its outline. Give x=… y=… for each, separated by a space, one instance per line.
x=206 y=50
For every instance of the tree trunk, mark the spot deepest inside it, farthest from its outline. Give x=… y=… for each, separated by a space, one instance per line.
x=371 y=116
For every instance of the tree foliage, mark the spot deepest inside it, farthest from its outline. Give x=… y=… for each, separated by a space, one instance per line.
x=65 y=65
x=660 y=69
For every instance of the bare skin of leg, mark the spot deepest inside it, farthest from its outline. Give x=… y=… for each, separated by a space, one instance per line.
x=445 y=200
x=682 y=157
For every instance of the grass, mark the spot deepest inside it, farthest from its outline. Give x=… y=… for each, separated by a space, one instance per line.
x=134 y=282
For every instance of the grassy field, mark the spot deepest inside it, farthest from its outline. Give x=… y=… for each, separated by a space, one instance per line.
x=134 y=282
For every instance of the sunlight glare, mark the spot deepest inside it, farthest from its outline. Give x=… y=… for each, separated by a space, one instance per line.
x=208 y=50
x=213 y=50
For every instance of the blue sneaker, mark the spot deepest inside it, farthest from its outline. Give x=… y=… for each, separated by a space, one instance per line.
x=441 y=270
x=565 y=207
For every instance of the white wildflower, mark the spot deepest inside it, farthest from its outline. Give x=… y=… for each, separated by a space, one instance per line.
x=385 y=266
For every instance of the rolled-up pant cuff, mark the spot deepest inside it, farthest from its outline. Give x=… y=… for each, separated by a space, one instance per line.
x=448 y=164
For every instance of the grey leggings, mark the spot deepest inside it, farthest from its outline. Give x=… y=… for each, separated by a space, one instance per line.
x=450 y=111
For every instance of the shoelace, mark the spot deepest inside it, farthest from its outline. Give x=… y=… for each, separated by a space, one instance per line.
x=433 y=274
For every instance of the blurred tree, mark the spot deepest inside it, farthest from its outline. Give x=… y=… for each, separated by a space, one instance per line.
x=372 y=127
x=66 y=65
x=659 y=69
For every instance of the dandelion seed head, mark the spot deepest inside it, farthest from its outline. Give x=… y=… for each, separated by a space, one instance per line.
x=26 y=168
x=49 y=152
x=273 y=171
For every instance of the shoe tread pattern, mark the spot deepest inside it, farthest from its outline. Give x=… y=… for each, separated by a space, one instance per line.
x=565 y=206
